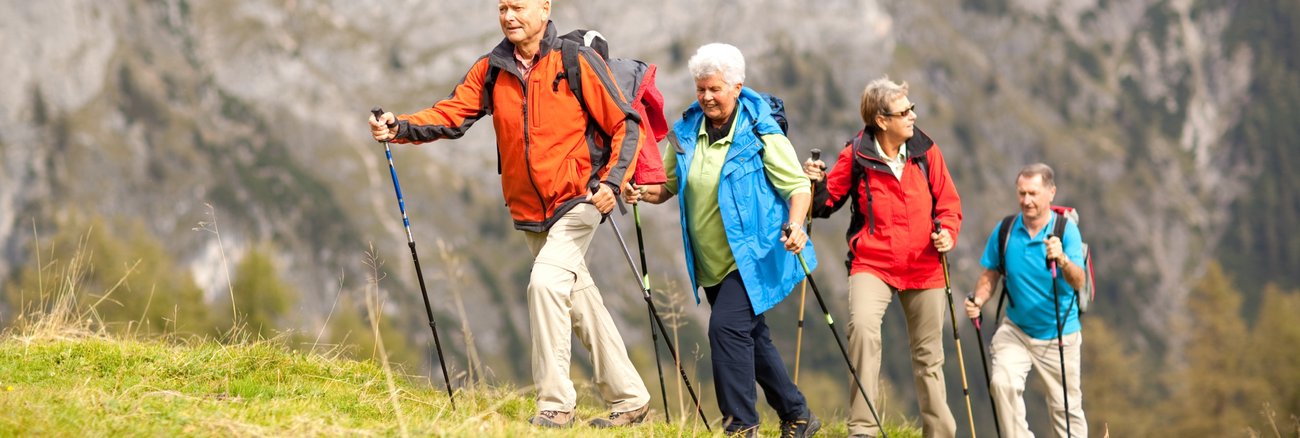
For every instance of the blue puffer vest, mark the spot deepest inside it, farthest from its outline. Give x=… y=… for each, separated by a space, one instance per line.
x=752 y=210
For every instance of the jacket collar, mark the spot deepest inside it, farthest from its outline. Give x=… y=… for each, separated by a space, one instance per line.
x=917 y=146
x=753 y=108
x=503 y=55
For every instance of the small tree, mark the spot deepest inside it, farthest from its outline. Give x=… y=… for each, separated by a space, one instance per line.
x=1273 y=352
x=120 y=274
x=1113 y=387
x=1210 y=392
x=261 y=297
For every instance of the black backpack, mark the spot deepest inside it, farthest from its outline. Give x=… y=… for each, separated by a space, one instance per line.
x=1083 y=297
x=778 y=112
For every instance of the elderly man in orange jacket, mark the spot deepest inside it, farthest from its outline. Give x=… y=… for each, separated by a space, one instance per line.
x=549 y=166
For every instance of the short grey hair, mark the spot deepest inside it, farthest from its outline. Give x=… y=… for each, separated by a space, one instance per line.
x=714 y=58
x=876 y=98
x=1038 y=169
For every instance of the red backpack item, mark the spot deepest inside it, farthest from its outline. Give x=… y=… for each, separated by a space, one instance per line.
x=649 y=102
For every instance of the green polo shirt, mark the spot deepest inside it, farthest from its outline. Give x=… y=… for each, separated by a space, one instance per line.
x=713 y=258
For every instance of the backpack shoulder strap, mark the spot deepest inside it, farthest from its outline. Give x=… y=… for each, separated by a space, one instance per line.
x=860 y=173
x=924 y=162
x=1004 y=233
x=1058 y=228
x=573 y=71
x=489 y=87
x=857 y=173
x=485 y=101
x=855 y=216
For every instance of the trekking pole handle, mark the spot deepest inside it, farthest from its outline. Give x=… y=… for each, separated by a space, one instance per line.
x=975 y=320
x=379 y=112
x=938 y=227
x=816 y=154
x=1051 y=264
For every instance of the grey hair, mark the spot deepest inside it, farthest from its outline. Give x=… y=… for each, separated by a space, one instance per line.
x=714 y=58
x=876 y=98
x=1038 y=169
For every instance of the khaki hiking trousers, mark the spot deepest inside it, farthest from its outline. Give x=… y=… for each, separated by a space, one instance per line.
x=924 y=310
x=563 y=301
x=1014 y=354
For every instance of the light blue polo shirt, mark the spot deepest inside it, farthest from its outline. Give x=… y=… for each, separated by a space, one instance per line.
x=1029 y=280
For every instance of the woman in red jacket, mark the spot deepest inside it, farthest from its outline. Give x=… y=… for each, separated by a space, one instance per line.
x=898 y=183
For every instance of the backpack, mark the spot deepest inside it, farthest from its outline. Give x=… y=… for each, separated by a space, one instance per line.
x=1084 y=296
x=634 y=78
x=778 y=113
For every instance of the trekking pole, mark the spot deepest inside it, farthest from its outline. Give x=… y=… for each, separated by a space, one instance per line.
x=988 y=379
x=410 y=241
x=803 y=293
x=645 y=293
x=830 y=323
x=952 y=313
x=654 y=337
x=1060 y=340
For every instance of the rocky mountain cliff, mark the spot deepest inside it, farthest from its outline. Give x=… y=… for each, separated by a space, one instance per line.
x=151 y=111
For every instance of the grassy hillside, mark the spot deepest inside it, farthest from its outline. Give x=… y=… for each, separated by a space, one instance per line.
x=66 y=382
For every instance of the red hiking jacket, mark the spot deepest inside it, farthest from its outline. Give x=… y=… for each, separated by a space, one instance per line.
x=893 y=243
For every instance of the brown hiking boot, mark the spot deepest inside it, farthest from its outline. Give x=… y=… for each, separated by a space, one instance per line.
x=556 y=419
x=627 y=418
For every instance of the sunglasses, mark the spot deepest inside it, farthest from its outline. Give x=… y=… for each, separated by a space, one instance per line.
x=903 y=113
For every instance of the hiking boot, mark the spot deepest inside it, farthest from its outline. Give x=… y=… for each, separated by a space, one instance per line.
x=556 y=419
x=751 y=432
x=801 y=427
x=627 y=418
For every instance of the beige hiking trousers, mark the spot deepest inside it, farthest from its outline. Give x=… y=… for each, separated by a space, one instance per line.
x=1014 y=353
x=924 y=310
x=563 y=301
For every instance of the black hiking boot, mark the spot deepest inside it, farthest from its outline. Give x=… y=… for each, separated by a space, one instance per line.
x=801 y=427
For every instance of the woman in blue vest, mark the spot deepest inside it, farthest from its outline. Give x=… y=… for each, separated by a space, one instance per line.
x=740 y=182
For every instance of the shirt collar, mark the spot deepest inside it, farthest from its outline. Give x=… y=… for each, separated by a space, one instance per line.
x=526 y=65
x=902 y=151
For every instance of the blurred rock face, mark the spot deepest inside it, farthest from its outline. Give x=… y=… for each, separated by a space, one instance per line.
x=151 y=109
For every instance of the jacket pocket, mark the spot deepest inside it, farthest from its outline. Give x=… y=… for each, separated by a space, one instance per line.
x=536 y=112
x=569 y=179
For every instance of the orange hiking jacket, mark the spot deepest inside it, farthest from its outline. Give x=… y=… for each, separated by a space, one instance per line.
x=549 y=149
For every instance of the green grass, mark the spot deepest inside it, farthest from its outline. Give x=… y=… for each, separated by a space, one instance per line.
x=96 y=385
x=63 y=372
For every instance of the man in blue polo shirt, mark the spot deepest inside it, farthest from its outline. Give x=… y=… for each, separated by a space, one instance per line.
x=1030 y=338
